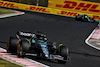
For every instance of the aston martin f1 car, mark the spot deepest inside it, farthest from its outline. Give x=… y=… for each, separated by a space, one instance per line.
x=86 y=18
x=26 y=43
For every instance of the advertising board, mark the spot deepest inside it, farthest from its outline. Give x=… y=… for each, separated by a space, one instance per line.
x=61 y=12
x=78 y=6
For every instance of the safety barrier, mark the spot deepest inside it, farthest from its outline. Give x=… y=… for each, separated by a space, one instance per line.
x=78 y=6
x=46 y=10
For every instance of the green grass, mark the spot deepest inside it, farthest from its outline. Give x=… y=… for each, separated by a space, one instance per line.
x=5 y=11
x=4 y=63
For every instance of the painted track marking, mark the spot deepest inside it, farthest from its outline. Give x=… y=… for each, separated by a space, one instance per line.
x=20 y=61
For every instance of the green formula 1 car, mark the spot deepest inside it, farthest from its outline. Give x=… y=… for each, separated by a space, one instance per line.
x=26 y=43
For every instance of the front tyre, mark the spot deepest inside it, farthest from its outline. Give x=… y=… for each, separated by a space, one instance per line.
x=64 y=52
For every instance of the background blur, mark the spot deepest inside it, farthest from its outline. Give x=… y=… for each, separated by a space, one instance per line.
x=98 y=1
x=43 y=3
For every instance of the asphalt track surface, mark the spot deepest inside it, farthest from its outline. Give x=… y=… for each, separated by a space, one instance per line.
x=58 y=29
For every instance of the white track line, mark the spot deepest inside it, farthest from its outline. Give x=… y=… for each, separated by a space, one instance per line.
x=3 y=49
x=86 y=41
x=20 y=61
x=12 y=14
x=37 y=62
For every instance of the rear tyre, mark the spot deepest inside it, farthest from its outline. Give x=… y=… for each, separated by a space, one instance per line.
x=77 y=18
x=64 y=52
x=92 y=20
x=20 y=52
x=84 y=19
x=12 y=45
x=8 y=51
x=23 y=47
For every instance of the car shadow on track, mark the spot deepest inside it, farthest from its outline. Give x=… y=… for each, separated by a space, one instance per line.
x=39 y=59
x=3 y=42
x=84 y=54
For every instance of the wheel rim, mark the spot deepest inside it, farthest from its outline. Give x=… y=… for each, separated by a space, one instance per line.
x=8 y=44
x=18 y=50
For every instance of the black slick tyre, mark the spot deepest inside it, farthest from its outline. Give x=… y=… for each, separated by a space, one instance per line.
x=23 y=47
x=84 y=19
x=64 y=52
x=77 y=18
x=12 y=45
x=20 y=52
x=92 y=20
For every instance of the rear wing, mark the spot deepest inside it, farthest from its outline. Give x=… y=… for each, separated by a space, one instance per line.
x=26 y=34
